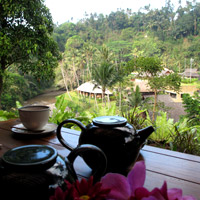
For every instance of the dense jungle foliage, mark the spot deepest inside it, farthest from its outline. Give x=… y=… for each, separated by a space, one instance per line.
x=173 y=35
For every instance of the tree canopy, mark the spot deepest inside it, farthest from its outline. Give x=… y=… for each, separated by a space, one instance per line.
x=150 y=68
x=168 y=33
x=26 y=41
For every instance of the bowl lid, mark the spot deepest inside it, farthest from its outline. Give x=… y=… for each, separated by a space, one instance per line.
x=113 y=121
x=30 y=157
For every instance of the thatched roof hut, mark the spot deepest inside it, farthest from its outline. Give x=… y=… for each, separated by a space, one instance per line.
x=143 y=85
x=193 y=73
x=88 y=88
x=164 y=72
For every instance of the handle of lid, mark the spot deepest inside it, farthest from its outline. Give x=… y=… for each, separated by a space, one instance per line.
x=59 y=134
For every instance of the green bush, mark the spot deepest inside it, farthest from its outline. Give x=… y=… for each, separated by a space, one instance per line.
x=5 y=115
x=192 y=108
x=80 y=108
x=187 y=80
x=67 y=109
x=138 y=117
x=112 y=98
x=185 y=138
x=163 y=127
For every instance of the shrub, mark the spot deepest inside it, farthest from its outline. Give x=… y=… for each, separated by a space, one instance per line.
x=185 y=138
x=163 y=127
x=5 y=115
x=187 y=80
x=139 y=118
x=192 y=107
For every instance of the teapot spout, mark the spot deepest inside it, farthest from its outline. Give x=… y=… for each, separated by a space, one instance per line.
x=145 y=133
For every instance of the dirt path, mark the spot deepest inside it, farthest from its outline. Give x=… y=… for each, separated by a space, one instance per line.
x=177 y=108
x=48 y=97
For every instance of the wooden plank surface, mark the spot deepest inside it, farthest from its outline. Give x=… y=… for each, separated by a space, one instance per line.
x=171 y=166
x=154 y=179
x=178 y=169
x=172 y=153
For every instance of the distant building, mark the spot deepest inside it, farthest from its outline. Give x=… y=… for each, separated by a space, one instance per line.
x=185 y=89
x=193 y=73
x=165 y=71
x=88 y=89
x=143 y=85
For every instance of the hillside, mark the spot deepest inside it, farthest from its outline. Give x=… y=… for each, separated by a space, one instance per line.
x=172 y=35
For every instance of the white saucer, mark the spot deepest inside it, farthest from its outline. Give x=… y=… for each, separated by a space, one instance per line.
x=21 y=130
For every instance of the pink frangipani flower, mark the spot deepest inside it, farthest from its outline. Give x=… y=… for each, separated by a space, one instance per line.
x=131 y=188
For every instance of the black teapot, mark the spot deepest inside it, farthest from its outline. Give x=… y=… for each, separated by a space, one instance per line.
x=118 y=139
x=34 y=171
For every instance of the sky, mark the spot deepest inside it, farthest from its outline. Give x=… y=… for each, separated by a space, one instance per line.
x=64 y=10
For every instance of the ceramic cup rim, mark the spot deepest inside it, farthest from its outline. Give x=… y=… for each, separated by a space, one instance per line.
x=26 y=108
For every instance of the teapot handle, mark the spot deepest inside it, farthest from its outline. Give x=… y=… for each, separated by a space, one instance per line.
x=96 y=173
x=59 y=135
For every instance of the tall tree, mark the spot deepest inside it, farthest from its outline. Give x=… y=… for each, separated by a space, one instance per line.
x=25 y=39
x=72 y=48
x=88 y=53
x=103 y=73
x=150 y=68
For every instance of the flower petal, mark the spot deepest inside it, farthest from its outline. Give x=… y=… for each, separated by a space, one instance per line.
x=120 y=188
x=136 y=176
x=174 y=193
x=82 y=186
x=150 y=198
x=141 y=193
x=158 y=194
x=164 y=190
x=59 y=194
x=188 y=198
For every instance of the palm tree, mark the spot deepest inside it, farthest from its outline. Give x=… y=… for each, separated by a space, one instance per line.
x=105 y=55
x=104 y=72
x=136 y=98
x=104 y=75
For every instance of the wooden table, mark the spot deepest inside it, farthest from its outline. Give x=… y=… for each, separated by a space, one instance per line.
x=178 y=169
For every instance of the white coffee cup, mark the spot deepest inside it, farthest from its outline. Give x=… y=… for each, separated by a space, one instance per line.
x=34 y=117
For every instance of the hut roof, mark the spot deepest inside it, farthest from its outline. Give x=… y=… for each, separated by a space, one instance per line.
x=192 y=72
x=90 y=88
x=165 y=71
x=143 y=85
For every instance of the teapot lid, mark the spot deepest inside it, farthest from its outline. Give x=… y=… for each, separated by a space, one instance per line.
x=30 y=157
x=112 y=121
